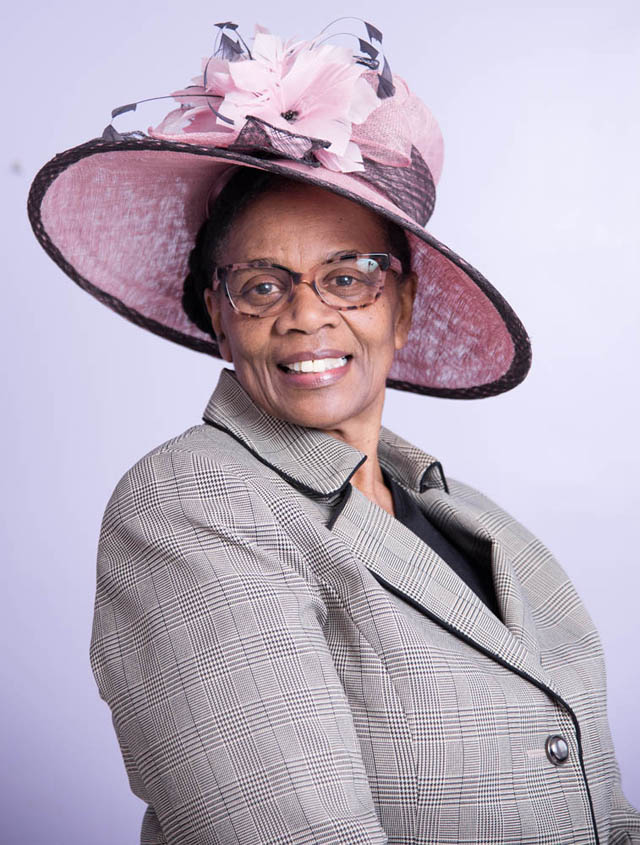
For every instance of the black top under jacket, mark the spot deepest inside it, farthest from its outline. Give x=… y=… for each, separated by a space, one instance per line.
x=476 y=575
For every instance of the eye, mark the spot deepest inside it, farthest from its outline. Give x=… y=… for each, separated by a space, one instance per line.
x=347 y=280
x=262 y=288
x=344 y=280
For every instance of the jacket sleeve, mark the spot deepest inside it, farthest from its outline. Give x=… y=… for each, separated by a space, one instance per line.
x=625 y=819
x=208 y=647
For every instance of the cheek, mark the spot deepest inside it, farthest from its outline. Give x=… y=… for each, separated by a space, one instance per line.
x=389 y=322
x=395 y=327
x=248 y=339
x=377 y=332
x=390 y=337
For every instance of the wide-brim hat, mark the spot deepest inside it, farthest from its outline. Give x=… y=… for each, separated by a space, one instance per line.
x=120 y=213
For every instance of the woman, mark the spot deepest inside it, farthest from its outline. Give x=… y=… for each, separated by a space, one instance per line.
x=305 y=630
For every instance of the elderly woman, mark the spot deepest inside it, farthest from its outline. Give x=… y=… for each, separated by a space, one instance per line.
x=305 y=630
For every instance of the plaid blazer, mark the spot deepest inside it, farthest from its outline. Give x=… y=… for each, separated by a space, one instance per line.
x=285 y=662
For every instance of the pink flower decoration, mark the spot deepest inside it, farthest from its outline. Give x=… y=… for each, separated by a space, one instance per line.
x=318 y=91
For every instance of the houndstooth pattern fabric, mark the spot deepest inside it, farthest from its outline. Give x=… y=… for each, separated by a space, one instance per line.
x=287 y=663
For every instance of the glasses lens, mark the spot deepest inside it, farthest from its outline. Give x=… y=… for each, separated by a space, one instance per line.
x=255 y=290
x=352 y=280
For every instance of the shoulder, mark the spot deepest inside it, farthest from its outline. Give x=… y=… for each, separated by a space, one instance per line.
x=475 y=499
x=201 y=448
x=207 y=442
x=203 y=469
x=532 y=559
x=189 y=523
x=500 y=523
x=198 y=500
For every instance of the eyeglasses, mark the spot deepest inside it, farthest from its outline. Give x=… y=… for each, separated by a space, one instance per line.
x=260 y=289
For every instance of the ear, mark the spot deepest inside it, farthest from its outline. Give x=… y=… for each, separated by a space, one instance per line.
x=406 y=295
x=213 y=302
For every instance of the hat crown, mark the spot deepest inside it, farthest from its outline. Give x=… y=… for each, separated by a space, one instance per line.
x=319 y=104
x=398 y=146
x=399 y=123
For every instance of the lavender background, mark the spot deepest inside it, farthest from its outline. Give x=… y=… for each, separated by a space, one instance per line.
x=538 y=102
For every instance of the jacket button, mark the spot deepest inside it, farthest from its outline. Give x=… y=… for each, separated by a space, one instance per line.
x=557 y=749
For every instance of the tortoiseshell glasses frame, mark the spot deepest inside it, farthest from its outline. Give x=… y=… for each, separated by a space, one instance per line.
x=344 y=282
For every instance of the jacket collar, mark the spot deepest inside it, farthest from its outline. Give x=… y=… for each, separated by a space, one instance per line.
x=315 y=463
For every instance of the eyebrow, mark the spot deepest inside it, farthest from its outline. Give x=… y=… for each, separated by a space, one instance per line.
x=259 y=262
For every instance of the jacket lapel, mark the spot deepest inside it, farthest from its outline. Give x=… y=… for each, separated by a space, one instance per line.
x=473 y=530
x=405 y=564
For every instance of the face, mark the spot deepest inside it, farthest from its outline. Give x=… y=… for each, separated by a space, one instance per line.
x=298 y=228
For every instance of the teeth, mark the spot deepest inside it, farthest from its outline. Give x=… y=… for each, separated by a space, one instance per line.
x=317 y=365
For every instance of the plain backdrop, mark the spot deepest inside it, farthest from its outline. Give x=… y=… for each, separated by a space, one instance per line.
x=538 y=103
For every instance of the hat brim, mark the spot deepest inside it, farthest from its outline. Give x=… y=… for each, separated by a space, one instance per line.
x=120 y=218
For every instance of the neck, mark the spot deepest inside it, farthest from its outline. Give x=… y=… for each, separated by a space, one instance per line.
x=368 y=478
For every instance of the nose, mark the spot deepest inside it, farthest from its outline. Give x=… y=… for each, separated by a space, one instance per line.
x=306 y=312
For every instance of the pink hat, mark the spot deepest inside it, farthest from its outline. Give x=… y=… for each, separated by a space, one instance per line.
x=120 y=213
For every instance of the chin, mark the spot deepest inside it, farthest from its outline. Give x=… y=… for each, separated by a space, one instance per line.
x=319 y=414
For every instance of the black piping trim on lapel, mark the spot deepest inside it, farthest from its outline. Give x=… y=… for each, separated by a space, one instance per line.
x=302 y=488
x=553 y=695
x=346 y=493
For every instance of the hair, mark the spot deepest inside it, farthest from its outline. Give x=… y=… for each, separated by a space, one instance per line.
x=245 y=185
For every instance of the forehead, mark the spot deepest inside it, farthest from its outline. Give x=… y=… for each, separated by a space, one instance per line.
x=302 y=223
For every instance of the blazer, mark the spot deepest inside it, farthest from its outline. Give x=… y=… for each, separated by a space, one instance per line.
x=285 y=662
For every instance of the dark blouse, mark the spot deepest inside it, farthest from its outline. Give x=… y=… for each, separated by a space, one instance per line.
x=476 y=575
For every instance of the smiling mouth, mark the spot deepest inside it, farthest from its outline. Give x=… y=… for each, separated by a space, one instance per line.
x=315 y=365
